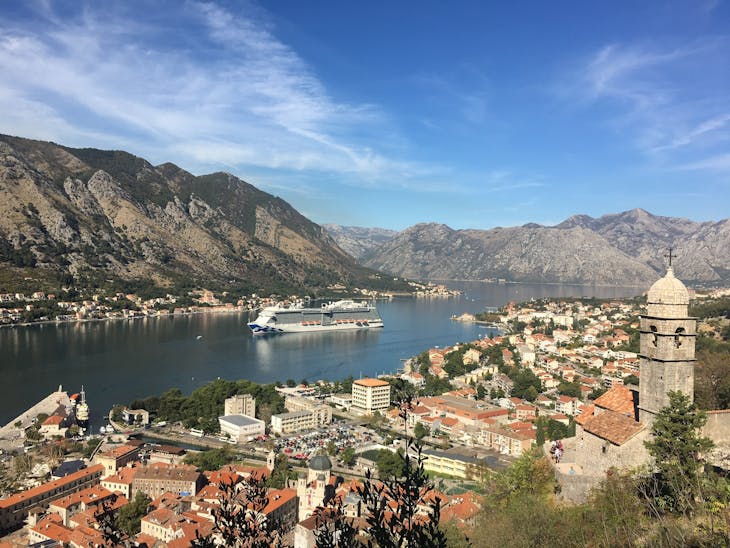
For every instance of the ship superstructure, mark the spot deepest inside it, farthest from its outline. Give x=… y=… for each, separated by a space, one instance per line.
x=333 y=316
x=82 y=411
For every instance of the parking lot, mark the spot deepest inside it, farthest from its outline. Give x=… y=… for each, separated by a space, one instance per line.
x=303 y=445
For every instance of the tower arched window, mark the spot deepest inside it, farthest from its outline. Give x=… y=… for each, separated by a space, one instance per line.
x=678 y=337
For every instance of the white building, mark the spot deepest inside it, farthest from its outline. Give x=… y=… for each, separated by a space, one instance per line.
x=341 y=401
x=241 y=428
x=295 y=421
x=370 y=395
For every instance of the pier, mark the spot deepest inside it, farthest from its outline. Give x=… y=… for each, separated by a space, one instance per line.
x=14 y=434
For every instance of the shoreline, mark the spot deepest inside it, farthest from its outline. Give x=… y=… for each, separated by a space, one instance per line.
x=212 y=310
x=509 y=282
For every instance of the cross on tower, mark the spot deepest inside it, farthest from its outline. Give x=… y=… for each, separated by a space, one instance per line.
x=670 y=256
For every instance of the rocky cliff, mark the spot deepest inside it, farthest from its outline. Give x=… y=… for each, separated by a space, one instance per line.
x=358 y=241
x=108 y=215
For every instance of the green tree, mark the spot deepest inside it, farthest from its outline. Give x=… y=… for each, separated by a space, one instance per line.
x=130 y=515
x=348 y=456
x=524 y=380
x=571 y=389
x=420 y=431
x=211 y=459
x=117 y=413
x=481 y=391
x=632 y=379
x=392 y=506
x=331 y=448
x=676 y=445
x=281 y=474
x=390 y=464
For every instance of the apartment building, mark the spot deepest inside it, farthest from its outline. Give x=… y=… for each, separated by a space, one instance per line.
x=370 y=395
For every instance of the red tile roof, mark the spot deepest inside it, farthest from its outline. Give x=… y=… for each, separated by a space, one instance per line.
x=618 y=398
x=585 y=414
x=90 y=495
x=53 y=420
x=613 y=426
x=370 y=382
x=279 y=497
x=50 y=486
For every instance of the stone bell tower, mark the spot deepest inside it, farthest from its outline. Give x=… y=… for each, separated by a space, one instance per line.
x=667 y=346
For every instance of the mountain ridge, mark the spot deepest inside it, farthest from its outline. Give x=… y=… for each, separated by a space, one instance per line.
x=90 y=215
x=623 y=248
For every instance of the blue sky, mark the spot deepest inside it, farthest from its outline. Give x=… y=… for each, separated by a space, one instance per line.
x=474 y=114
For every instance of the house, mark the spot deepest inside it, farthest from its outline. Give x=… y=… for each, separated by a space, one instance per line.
x=525 y=412
x=567 y=405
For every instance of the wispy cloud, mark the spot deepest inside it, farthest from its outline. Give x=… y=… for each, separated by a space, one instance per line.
x=237 y=96
x=505 y=180
x=671 y=102
x=464 y=93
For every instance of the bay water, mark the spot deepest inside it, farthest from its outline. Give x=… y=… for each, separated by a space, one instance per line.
x=120 y=360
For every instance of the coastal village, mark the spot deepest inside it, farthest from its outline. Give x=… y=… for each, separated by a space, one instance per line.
x=39 y=306
x=554 y=368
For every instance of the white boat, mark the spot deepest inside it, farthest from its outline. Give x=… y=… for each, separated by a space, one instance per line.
x=82 y=411
x=334 y=316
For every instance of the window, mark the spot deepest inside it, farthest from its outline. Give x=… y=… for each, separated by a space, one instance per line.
x=653 y=330
x=678 y=337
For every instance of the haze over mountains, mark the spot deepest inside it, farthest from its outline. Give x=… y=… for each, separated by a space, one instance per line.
x=98 y=215
x=625 y=248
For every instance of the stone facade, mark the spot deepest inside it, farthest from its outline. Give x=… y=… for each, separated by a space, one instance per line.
x=311 y=488
x=596 y=455
x=611 y=433
x=667 y=346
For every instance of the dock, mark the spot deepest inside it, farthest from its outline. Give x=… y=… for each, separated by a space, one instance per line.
x=47 y=405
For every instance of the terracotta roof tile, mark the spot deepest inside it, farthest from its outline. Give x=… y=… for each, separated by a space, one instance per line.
x=618 y=398
x=370 y=382
x=585 y=414
x=613 y=426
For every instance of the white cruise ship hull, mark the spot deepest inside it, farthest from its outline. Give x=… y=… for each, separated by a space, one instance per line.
x=339 y=316
x=298 y=328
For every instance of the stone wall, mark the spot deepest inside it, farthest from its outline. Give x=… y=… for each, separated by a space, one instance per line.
x=717 y=427
x=575 y=487
x=596 y=456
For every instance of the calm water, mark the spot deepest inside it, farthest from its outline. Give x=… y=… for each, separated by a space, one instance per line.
x=118 y=361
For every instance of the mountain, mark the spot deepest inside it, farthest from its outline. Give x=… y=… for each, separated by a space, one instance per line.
x=357 y=241
x=702 y=249
x=108 y=215
x=624 y=248
x=528 y=254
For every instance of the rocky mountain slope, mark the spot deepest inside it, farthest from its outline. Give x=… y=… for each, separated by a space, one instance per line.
x=100 y=215
x=702 y=249
x=357 y=241
x=519 y=254
x=625 y=248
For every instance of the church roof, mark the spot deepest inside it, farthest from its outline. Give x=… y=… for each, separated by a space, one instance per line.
x=619 y=399
x=613 y=427
x=320 y=462
x=668 y=290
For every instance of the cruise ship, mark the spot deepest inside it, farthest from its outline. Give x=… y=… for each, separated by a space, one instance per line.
x=333 y=316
